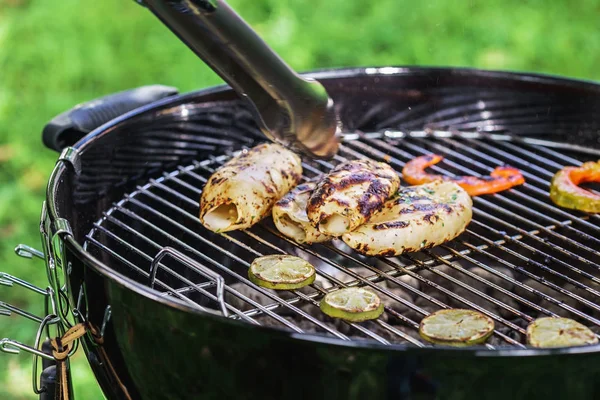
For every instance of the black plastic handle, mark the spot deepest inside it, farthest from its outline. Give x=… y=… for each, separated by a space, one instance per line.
x=67 y=128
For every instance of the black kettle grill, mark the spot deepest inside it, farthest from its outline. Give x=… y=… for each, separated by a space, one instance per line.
x=164 y=306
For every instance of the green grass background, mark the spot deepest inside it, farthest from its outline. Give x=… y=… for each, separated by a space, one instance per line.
x=57 y=53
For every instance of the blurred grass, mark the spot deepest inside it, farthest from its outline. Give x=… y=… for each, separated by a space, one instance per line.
x=57 y=53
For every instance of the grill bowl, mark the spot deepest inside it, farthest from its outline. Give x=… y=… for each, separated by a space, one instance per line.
x=161 y=347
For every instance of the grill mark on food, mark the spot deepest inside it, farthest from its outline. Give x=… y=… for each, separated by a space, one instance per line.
x=373 y=198
x=269 y=188
x=355 y=189
x=426 y=208
x=303 y=188
x=216 y=180
x=431 y=218
x=387 y=253
x=285 y=201
x=296 y=177
x=413 y=208
x=410 y=198
x=323 y=190
x=390 y=225
x=341 y=202
x=375 y=195
x=355 y=178
x=295 y=192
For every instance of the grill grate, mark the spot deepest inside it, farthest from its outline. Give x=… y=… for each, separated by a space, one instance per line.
x=521 y=257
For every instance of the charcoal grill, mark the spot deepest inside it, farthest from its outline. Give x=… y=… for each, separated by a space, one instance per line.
x=506 y=226
x=179 y=317
x=165 y=307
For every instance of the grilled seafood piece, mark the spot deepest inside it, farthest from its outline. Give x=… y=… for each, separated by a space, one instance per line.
x=289 y=216
x=242 y=192
x=417 y=218
x=348 y=195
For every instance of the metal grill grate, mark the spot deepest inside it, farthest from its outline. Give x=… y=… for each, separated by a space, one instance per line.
x=521 y=257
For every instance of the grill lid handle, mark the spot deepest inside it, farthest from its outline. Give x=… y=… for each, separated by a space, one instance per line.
x=294 y=111
x=67 y=128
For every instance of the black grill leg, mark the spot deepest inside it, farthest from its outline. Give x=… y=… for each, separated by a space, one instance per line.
x=48 y=376
x=48 y=383
x=47 y=348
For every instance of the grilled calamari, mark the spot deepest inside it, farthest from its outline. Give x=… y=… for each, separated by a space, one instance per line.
x=289 y=216
x=418 y=217
x=348 y=195
x=242 y=192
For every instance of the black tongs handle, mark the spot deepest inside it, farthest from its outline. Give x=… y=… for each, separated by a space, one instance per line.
x=292 y=110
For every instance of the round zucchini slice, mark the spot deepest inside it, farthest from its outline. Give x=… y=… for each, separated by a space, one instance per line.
x=281 y=272
x=456 y=327
x=353 y=304
x=559 y=332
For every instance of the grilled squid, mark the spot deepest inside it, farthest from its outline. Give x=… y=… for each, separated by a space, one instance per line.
x=418 y=217
x=242 y=192
x=347 y=197
x=289 y=216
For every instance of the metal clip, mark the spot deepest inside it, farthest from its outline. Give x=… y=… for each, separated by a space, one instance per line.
x=54 y=258
x=14 y=347
x=25 y=251
x=206 y=272
x=12 y=309
x=61 y=225
x=77 y=310
x=71 y=156
x=62 y=228
x=107 y=315
x=8 y=280
x=7 y=309
x=38 y=338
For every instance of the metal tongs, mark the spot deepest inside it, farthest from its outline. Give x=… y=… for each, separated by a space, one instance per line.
x=294 y=111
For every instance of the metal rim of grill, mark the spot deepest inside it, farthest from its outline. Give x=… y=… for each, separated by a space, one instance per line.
x=521 y=257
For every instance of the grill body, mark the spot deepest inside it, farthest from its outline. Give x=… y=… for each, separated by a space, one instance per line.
x=162 y=349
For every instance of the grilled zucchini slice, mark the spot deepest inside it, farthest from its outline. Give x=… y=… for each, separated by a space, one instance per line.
x=456 y=327
x=559 y=332
x=352 y=304
x=281 y=272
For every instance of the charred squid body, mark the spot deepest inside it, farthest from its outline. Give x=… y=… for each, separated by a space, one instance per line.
x=417 y=217
x=289 y=216
x=242 y=192
x=349 y=195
